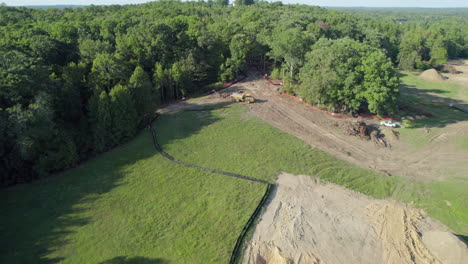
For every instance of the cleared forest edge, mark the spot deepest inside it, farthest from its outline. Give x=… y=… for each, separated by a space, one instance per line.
x=309 y=222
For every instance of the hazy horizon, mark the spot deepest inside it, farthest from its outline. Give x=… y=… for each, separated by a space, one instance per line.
x=337 y=3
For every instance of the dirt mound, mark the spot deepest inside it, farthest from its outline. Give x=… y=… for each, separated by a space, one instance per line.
x=390 y=134
x=401 y=239
x=432 y=75
x=448 y=69
x=357 y=128
x=308 y=222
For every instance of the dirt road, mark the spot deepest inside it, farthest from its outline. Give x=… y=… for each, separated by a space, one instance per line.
x=307 y=222
x=320 y=131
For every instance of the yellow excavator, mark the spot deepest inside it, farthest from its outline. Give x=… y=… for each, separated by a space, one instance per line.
x=243 y=97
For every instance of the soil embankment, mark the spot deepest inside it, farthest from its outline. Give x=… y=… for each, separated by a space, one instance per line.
x=307 y=222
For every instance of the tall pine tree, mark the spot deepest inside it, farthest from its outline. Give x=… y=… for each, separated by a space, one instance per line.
x=124 y=115
x=141 y=89
x=101 y=122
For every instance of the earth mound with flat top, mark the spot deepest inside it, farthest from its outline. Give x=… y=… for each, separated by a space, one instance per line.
x=432 y=75
x=310 y=223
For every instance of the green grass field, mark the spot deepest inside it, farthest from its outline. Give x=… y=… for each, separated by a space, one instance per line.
x=129 y=203
x=443 y=90
x=415 y=91
x=132 y=206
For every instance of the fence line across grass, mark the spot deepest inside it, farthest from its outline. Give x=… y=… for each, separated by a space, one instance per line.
x=236 y=252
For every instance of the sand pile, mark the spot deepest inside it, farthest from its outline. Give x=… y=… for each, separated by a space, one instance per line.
x=307 y=222
x=432 y=75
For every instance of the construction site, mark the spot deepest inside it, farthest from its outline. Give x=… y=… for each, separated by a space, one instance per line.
x=308 y=221
x=362 y=141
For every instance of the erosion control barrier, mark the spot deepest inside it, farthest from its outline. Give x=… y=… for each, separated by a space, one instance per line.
x=226 y=85
x=271 y=81
x=169 y=157
x=338 y=115
x=236 y=252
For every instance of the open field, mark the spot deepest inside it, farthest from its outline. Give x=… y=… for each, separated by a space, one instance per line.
x=127 y=206
x=231 y=140
x=447 y=91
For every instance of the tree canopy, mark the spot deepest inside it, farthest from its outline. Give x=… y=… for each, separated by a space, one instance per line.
x=346 y=75
x=78 y=81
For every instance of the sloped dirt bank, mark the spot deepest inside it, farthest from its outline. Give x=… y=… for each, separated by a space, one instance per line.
x=308 y=222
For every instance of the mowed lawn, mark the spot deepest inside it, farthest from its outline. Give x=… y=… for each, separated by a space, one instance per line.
x=132 y=206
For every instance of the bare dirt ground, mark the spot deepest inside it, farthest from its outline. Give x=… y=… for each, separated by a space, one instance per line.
x=461 y=66
x=323 y=131
x=215 y=98
x=309 y=223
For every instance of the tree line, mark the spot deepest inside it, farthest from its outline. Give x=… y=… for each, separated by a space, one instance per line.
x=75 y=82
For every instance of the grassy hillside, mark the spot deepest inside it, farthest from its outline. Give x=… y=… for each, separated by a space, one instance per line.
x=129 y=203
x=132 y=206
x=227 y=139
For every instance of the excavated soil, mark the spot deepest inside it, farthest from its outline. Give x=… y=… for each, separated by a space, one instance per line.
x=432 y=75
x=310 y=223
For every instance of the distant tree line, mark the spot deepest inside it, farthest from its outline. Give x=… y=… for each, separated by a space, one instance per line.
x=75 y=82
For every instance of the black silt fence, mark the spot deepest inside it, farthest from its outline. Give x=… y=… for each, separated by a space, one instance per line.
x=236 y=252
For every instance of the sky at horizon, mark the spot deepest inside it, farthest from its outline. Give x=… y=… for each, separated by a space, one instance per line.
x=366 y=3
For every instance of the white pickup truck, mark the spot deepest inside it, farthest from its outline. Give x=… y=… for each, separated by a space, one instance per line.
x=388 y=123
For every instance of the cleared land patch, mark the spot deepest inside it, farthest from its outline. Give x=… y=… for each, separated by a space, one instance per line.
x=308 y=222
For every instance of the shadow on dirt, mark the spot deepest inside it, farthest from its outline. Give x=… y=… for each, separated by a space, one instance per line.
x=134 y=260
x=260 y=101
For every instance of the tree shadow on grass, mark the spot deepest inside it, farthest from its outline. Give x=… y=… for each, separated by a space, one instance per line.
x=38 y=218
x=441 y=111
x=134 y=260
x=186 y=123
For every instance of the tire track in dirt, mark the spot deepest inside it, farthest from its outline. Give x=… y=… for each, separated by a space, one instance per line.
x=316 y=129
x=307 y=222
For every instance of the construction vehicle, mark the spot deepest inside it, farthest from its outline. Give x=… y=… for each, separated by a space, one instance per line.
x=243 y=97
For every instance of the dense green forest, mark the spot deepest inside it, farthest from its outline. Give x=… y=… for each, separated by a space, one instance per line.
x=78 y=81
